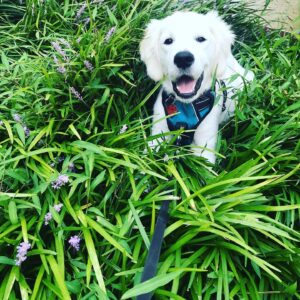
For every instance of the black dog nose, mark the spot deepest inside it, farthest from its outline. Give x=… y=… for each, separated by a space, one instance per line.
x=184 y=59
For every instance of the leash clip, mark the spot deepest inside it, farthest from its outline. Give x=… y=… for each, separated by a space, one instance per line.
x=180 y=141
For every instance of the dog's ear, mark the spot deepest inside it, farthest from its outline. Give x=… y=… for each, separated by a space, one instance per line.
x=149 y=50
x=224 y=40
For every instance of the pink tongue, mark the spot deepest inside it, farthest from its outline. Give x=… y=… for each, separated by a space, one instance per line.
x=186 y=87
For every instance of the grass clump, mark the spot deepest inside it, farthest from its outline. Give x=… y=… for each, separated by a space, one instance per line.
x=78 y=187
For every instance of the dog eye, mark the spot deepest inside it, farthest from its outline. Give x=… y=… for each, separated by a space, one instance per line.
x=168 y=41
x=200 y=39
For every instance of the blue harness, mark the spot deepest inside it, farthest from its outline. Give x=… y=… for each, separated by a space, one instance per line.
x=188 y=116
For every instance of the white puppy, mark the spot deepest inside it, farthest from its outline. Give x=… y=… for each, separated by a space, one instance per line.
x=191 y=53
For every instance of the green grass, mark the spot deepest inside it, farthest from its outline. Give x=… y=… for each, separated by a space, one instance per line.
x=233 y=231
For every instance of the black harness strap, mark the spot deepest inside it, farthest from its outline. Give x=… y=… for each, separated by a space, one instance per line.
x=224 y=95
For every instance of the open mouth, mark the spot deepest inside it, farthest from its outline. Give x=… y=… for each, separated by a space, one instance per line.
x=186 y=86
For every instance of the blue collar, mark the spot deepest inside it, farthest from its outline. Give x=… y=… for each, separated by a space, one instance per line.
x=187 y=116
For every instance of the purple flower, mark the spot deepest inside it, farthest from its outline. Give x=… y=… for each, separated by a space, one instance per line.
x=26 y=130
x=55 y=59
x=81 y=10
x=76 y=94
x=60 y=181
x=71 y=167
x=88 y=65
x=47 y=218
x=58 y=207
x=60 y=159
x=109 y=34
x=22 y=250
x=78 y=40
x=17 y=117
x=61 y=69
x=66 y=43
x=74 y=242
x=87 y=21
x=59 y=50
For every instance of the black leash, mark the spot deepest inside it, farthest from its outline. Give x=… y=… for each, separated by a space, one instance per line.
x=155 y=247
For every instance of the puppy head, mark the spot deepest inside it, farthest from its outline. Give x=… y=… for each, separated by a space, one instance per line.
x=188 y=49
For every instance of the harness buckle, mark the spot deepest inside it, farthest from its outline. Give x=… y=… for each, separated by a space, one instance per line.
x=170 y=99
x=181 y=125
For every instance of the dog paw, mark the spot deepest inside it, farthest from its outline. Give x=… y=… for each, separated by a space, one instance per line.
x=153 y=145
x=210 y=156
x=249 y=75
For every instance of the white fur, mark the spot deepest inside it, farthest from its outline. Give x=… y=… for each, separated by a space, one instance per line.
x=213 y=57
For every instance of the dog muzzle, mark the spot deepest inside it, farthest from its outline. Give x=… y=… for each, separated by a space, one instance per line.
x=186 y=86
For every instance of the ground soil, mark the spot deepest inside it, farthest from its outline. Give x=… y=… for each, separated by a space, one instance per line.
x=280 y=13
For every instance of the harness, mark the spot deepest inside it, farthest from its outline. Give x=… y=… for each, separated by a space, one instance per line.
x=188 y=116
